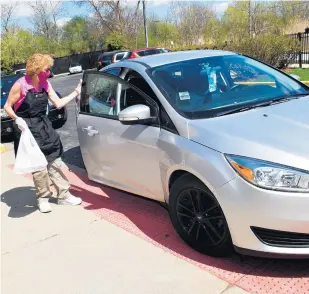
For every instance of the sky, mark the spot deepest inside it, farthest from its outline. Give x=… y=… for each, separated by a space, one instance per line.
x=159 y=7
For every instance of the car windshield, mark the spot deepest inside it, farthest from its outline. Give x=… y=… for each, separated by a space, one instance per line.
x=210 y=86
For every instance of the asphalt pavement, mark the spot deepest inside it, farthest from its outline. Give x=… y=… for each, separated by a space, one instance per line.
x=65 y=85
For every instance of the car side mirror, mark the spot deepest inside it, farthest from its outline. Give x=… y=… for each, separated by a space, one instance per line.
x=136 y=114
x=296 y=77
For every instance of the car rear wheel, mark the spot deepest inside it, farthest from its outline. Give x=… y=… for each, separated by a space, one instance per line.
x=198 y=217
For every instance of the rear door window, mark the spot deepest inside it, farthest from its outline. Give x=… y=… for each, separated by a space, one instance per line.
x=141 y=53
x=152 y=52
x=119 y=56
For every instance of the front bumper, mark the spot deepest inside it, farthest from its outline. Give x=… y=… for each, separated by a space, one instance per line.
x=246 y=206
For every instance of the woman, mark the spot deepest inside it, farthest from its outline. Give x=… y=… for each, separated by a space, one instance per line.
x=27 y=104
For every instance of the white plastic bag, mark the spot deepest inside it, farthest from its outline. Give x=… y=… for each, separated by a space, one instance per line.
x=29 y=156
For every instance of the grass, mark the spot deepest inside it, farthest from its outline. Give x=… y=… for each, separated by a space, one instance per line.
x=303 y=73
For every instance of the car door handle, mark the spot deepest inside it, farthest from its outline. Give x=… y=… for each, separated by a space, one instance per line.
x=91 y=131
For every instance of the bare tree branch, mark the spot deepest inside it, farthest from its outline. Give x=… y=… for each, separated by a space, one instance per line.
x=46 y=15
x=7 y=14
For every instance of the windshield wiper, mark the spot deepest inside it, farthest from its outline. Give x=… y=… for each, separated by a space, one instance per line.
x=264 y=104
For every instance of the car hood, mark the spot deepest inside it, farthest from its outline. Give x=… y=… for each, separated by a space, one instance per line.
x=277 y=133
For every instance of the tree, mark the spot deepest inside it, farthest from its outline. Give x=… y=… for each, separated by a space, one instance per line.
x=75 y=35
x=46 y=15
x=7 y=14
x=115 y=18
x=190 y=18
x=16 y=47
x=162 y=33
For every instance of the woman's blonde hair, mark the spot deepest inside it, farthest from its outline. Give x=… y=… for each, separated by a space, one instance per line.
x=37 y=62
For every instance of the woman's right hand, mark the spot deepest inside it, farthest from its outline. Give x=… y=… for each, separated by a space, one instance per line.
x=22 y=125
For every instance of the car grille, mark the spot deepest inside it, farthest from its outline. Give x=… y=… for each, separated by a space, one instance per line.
x=281 y=238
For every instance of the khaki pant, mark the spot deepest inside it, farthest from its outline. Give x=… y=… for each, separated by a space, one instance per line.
x=54 y=174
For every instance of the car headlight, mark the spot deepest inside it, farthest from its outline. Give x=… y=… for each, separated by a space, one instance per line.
x=270 y=175
x=3 y=114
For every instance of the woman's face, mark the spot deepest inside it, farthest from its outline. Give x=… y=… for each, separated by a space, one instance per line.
x=46 y=68
x=44 y=74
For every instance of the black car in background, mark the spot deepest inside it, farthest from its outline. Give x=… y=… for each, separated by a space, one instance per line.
x=58 y=117
x=109 y=57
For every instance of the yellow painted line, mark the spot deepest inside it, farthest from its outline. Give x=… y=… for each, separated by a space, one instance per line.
x=3 y=148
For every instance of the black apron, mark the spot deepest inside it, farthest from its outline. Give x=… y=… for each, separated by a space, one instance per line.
x=33 y=111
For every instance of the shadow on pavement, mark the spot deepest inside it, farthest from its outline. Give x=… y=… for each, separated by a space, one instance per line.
x=73 y=156
x=149 y=220
x=21 y=201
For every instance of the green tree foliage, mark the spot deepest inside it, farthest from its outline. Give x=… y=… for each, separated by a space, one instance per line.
x=161 y=34
x=16 y=47
x=75 y=35
x=116 y=40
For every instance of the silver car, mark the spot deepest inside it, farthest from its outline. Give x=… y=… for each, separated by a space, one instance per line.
x=222 y=138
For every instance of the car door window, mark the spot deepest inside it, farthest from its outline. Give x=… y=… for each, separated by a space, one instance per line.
x=129 y=97
x=141 y=53
x=152 y=52
x=119 y=56
x=139 y=82
x=99 y=97
x=113 y=71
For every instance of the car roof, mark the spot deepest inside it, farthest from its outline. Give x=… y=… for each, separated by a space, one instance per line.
x=173 y=57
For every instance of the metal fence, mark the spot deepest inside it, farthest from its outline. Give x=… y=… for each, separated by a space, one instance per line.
x=87 y=60
x=301 y=57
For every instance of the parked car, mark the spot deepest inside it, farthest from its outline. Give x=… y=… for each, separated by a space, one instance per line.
x=58 y=117
x=110 y=57
x=220 y=137
x=75 y=67
x=20 y=71
x=23 y=72
x=147 y=51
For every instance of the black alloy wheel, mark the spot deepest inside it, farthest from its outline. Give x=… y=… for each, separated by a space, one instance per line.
x=198 y=217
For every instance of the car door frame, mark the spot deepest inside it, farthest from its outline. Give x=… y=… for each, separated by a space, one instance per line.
x=98 y=168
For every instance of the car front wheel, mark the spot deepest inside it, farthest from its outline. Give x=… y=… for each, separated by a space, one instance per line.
x=198 y=217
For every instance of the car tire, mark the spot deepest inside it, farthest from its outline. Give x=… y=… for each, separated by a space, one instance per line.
x=202 y=226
